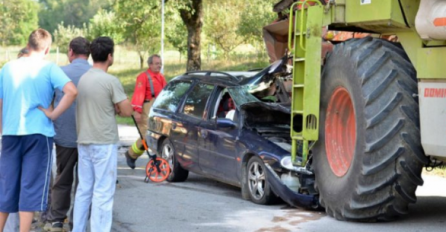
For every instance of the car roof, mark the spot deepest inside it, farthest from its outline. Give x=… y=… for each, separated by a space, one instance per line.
x=226 y=79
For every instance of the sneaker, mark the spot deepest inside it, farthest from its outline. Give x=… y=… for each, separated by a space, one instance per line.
x=130 y=160
x=56 y=227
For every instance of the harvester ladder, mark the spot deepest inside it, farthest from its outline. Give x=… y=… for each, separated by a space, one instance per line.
x=305 y=32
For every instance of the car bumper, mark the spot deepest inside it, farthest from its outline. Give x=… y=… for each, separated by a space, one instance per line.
x=152 y=140
x=293 y=198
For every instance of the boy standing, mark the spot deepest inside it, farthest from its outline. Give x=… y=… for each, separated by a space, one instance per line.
x=101 y=96
x=27 y=85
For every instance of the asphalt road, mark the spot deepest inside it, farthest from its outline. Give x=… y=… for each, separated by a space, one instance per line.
x=201 y=204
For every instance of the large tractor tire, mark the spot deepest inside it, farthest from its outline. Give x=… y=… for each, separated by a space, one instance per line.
x=369 y=158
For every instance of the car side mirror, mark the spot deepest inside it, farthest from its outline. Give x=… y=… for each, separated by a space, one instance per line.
x=225 y=123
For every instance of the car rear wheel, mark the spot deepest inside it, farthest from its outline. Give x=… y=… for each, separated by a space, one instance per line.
x=177 y=173
x=259 y=190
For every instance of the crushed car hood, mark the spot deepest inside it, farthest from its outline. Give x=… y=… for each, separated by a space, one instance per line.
x=262 y=113
x=265 y=76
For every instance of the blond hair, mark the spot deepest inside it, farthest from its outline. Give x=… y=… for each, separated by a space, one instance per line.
x=39 y=40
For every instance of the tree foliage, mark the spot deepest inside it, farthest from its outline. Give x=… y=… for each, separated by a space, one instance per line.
x=175 y=31
x=105 y=23
x=18 y=18
x=231 y=23
x=137 y=23
x=252 y=21
x=64 y=34
x=221 y=24
x=71 y=12
x=140 y=25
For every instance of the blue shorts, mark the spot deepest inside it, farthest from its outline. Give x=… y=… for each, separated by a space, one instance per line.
x=25 y=169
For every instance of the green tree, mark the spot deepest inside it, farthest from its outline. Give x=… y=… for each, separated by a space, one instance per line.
x=176 y=32
x=70 y=12
x=252 y=21
x=140 y=25
x=221 y=23
x=105 y=23
x=64 y=34
x=18 y=18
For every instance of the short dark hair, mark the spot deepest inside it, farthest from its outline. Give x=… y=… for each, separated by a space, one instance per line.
x=150 y=60
x=80 y=46
x=101 y=47
x=39 y=39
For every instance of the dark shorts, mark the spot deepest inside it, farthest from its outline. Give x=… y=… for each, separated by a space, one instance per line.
x=25 y=169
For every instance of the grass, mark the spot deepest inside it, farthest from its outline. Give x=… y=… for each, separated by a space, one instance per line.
x=126 y=64
x=440 y=171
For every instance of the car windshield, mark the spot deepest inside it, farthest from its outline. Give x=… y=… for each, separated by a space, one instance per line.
x=240 y=95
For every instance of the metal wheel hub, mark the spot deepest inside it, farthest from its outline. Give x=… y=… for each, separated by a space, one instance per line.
x=167 y=154
x=256 y=180
x=340 y=132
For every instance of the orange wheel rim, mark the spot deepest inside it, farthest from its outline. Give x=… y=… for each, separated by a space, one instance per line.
x=340 y=132
x=152 y=171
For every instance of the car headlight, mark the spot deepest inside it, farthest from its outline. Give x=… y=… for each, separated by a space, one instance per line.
x=286 y=162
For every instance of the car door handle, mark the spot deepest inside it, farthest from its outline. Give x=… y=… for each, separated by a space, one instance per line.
x=174 y=125
x=204 y=133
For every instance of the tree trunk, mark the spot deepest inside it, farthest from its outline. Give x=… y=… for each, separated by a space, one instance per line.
x=192 y=17
x=141 y=60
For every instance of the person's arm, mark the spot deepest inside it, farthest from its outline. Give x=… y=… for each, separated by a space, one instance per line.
x=138 y=96
x=70 y=93
x=1 y=101
x=124 y=108
x=1 y=116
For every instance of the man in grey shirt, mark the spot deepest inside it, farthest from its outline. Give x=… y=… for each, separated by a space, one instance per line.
x=65 y=139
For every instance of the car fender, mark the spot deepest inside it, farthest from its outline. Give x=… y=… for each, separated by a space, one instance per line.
x=292 y=198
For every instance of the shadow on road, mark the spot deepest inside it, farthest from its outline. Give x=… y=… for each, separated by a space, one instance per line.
x=428 y=208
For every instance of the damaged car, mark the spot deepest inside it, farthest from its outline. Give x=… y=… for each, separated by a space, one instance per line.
x=213 y=124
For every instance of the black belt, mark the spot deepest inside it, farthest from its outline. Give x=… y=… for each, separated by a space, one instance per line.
x=146 y=101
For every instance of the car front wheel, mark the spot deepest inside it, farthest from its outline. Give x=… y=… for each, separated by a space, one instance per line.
x=259 y=190
x=177 y=173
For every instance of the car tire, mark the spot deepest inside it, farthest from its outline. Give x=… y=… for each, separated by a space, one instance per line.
x=257 y=185
x=177 y=173
x=244 y=185
x=369 y=157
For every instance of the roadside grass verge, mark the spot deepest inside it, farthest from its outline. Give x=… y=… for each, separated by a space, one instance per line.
x=440 y=171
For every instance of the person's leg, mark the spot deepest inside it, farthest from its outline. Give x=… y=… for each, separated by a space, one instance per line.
x=44 y=216
x=3 y=218
x=66 y=159
x=105 y=171
x=35 y=177
x=84 y=191
x=12 y=223
x=76 y=182
x=10 y=169
x=137 y=149
x=26 y=219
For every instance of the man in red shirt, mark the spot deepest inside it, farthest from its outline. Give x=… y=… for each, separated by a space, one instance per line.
x=148 y=85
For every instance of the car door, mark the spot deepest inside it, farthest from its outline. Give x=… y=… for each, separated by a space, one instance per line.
x=218 y=146
x=192 y=114
x=166 y=120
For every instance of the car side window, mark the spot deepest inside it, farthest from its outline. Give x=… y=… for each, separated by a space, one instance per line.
x=169 y=99
x=196 y=101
